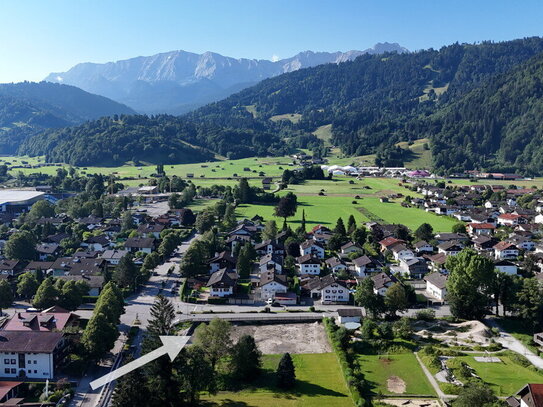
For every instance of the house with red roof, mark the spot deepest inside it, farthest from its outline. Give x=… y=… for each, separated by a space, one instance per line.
x=511 y=219
x=505 y=250
x=475 y=229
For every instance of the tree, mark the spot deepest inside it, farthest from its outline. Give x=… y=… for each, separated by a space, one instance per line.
x=402 y=328
x=270 y=230
x=425 y=232
x=351 y=224
x=529 y=304
x=340 y=228
x=128 y=388
x=41 y=209
x=229 y=220
x=214 y=339
x=204 y=221
x=244 y=264
x=126 y=272
x=99 y=336
x=303 y=224
x=244 y=194
x=470 y=280
x=246 y=359
x=110 y=302
x=368 y=299
x=6 y=295
x=459 y=228
x=195 y=374
x=396 y=299
x=162 y=317
x=27 y=285
x=46 y=295
x=402 y=232
x=193 y=260
x=71 y=295
x=286 y=207
x=286 y=374
x=475 y=394
x=359 y=236
x=21 y=246
x=127 y=222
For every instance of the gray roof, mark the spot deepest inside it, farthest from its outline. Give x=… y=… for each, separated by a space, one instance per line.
x=437 y=279
x=29 y=341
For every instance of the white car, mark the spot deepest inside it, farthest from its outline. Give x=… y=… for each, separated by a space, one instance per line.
x=269 y=301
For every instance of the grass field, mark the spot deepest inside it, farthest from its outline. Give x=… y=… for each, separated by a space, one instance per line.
x=338 y=202
x=504 y=378
x=293 y=117
x=378 y=369
x=319 y=383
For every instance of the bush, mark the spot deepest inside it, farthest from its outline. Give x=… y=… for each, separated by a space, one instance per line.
x=425 y=315
x=449 y=388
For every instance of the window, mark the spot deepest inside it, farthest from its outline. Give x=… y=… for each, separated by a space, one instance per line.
x=13 y=371
x=6 y=370
x=6 y=361
x=35 y=371
x=13 y=361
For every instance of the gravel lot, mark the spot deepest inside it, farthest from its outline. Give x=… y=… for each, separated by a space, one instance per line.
x=281 y=338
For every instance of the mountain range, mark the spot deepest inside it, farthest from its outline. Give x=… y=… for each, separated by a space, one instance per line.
x=179 y=81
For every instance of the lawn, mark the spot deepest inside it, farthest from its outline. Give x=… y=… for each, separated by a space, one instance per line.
x=378 y=369
x=504 y=378
x=319 y=383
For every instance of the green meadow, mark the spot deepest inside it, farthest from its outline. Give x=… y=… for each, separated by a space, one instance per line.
x=319 y=382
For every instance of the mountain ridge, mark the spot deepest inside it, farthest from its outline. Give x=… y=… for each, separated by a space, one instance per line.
x=142 y=82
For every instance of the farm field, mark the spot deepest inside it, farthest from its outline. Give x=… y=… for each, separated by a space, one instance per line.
x=506 y=377
x=319 y=383
x=395 y=374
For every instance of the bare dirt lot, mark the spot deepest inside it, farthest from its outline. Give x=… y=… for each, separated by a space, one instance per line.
x=281 y=338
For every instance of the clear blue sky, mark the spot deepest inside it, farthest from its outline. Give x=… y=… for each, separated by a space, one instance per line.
x=41 y=36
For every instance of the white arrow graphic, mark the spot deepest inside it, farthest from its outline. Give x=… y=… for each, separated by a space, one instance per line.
x=171 y=345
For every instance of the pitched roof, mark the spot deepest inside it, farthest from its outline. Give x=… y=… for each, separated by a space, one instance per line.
x=92 y=281
x=223 y=277
x=350 y=312
x=437 y=279
x=44 y=321
x=307 y=259
x=310 y=243
x=29 y=341
x=362 y=261
x=504 y=246
x=482 y=226
x=390 y=241
x=140 y=242
x=422 y=243
x=269 y=276
x=382 y=280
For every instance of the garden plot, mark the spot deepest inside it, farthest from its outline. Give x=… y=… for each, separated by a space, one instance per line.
x=282 y=338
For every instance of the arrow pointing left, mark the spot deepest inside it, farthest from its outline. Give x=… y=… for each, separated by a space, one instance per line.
x=171 y=345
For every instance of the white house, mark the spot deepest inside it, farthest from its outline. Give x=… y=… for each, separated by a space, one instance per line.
x=335 y=264
x=400 y=251
x=327 y=289
x=505 y=250
x=436 y=285
x=113 y=257
x=345 y=315
x=350 y=247
x=271 y=284
x=30 y=354
x=222 y=283
x=423 y=247
x=381 y=283
x=271 y=261
x=308 y=264
x=450 y=248
x=506 y=266
x=312 y=248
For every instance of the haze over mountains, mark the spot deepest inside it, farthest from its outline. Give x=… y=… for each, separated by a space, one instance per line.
x=178 y=81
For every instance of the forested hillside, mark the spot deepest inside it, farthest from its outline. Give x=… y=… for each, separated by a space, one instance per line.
x=27 y=108
x=158 y=139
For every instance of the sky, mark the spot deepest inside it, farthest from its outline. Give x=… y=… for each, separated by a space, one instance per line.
x=38 y=37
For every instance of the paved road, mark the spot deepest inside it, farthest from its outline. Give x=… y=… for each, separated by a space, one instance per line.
x=510 y=342
x=137 y=306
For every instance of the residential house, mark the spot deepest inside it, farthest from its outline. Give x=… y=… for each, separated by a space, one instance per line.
x=506 y=266
x=308 y=264
x=30 y=354
x=271 y=261
x=350 y=247
x=413 y=267
x=327 y=289
x=47 y=250
x=530 y=395
x=150 y=230
x=223 y=260
x=95 y=282
x=423 y=246
x=140 y=244
x=436 y=285
x=96 y=243
x=222 y=283
x=437 y=262
x=387 y=243
x=448 y=237
x=382 y=282
x=335 y=264
x=475 y=229
x=310 y=247
x=505 y=250
x=113 y=257
x=483 y=243
x=91 y=222
x=10 y=267
x=234 y=240
x=270 y=247
x=364 y=265
x=451 y=248
x=43 y=321
x=272 y=283
x=523 y=243
x=401 y=251
x=510 y=219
